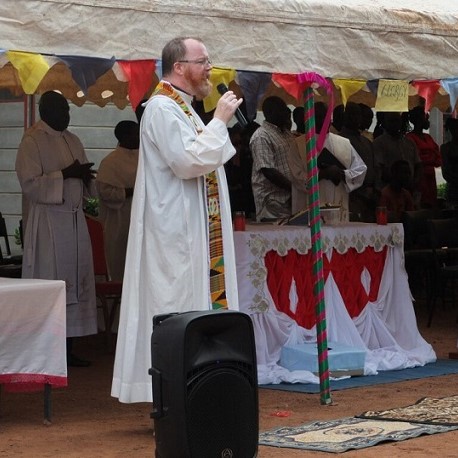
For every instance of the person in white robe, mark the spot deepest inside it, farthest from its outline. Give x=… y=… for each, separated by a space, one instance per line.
x=354 y=171
x=115 y=184
x=54 y=175
x=167 y=262
x=335 y=182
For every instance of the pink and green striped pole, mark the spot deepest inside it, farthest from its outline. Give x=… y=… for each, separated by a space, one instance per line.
x=315 y=224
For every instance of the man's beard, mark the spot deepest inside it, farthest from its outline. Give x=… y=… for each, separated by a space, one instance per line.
x=201 y=86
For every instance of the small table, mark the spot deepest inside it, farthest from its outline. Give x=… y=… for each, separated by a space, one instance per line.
x=33 y=336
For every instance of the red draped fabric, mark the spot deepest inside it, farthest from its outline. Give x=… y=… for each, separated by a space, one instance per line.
x=346 y=269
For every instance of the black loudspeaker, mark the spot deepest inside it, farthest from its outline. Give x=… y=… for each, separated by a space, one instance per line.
x=205 y=390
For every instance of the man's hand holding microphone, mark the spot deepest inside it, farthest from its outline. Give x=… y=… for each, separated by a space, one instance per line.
x=228 y=106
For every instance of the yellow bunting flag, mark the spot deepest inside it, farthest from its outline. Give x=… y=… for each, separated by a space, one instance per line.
x=392 y=95
x=218 y=76
x=348 y=87
x=31 y=68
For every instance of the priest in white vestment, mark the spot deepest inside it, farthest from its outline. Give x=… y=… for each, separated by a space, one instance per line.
x=54 y=174
x=115 y=184
x=167 y=262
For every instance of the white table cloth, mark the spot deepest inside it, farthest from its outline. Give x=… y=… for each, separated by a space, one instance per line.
x=32 y=334
x=386 y=326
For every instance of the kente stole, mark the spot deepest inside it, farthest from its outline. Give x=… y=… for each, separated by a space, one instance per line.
x=217 y=285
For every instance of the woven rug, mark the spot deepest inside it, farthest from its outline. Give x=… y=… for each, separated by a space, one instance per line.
x=430 y=411
x=338 y=436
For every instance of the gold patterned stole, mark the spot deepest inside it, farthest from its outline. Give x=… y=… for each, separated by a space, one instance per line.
x=217 y=284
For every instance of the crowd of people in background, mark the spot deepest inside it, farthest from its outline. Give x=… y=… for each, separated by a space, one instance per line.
x=367 y=174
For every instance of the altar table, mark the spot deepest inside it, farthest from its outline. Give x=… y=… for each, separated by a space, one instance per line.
x=367 y=297
x=32 y=334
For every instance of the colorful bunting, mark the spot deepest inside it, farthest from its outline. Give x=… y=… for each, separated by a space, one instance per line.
x=119 y=72
x=372 y=86
x=86 y=70
x=218 y=76
x=140 y=76
x=253 y=86
x=3 y=58
x=451 y=86
x=348 y=87
x=428 y=90
x=289 y=83
x=392 y=95
x=31 y=68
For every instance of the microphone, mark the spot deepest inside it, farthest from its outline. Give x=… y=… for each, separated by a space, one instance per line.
x=222 y=89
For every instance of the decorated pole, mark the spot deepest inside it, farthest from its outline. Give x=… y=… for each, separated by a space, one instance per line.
x=315 y=224
x=298 y=85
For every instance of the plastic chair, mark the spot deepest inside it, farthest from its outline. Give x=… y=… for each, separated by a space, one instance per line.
x=106 y=290
x=444 y=243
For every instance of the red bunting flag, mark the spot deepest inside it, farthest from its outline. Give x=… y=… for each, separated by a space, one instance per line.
x=289 y=83
x=428 y=90
x=140 y=75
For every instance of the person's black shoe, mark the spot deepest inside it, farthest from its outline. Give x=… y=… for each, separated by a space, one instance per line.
x=74 y=361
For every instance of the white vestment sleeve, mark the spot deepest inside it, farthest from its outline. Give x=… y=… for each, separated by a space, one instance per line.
x=354 y=176
x=210 y=150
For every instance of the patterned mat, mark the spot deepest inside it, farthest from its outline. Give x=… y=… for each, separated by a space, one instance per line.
x=430 y=411
x=345 y=434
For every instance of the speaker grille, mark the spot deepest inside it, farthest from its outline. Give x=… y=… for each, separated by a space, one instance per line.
x=222 y=414
x=245 y=370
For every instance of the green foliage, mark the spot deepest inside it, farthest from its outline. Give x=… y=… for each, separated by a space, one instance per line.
x=17 y=236
x=441 y=188
x=91 y=206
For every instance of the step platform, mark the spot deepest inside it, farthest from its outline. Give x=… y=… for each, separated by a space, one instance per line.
x=343 y=360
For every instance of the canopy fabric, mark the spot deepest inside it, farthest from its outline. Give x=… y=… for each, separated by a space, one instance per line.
x=339 y=39
x=412 y=39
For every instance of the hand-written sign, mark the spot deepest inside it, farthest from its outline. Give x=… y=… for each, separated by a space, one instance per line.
x=392 y=95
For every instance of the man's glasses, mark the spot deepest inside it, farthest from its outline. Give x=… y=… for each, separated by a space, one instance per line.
x=204 y=62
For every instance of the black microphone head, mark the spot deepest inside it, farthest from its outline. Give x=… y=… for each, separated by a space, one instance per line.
x=222 y=88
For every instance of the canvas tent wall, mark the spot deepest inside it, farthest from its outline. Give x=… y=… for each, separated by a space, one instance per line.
x=368 y=39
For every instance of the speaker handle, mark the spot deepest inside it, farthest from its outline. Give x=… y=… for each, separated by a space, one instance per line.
x=158 y=408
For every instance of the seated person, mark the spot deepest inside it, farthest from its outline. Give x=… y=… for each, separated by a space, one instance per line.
x=395 y=195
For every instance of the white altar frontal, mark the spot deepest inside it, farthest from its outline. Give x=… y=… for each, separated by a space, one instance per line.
x=367 y=297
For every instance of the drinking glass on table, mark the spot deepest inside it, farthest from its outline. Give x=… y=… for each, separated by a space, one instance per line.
x=239 y=221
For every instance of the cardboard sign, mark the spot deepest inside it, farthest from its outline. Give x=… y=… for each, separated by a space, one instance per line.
x=392 y=95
